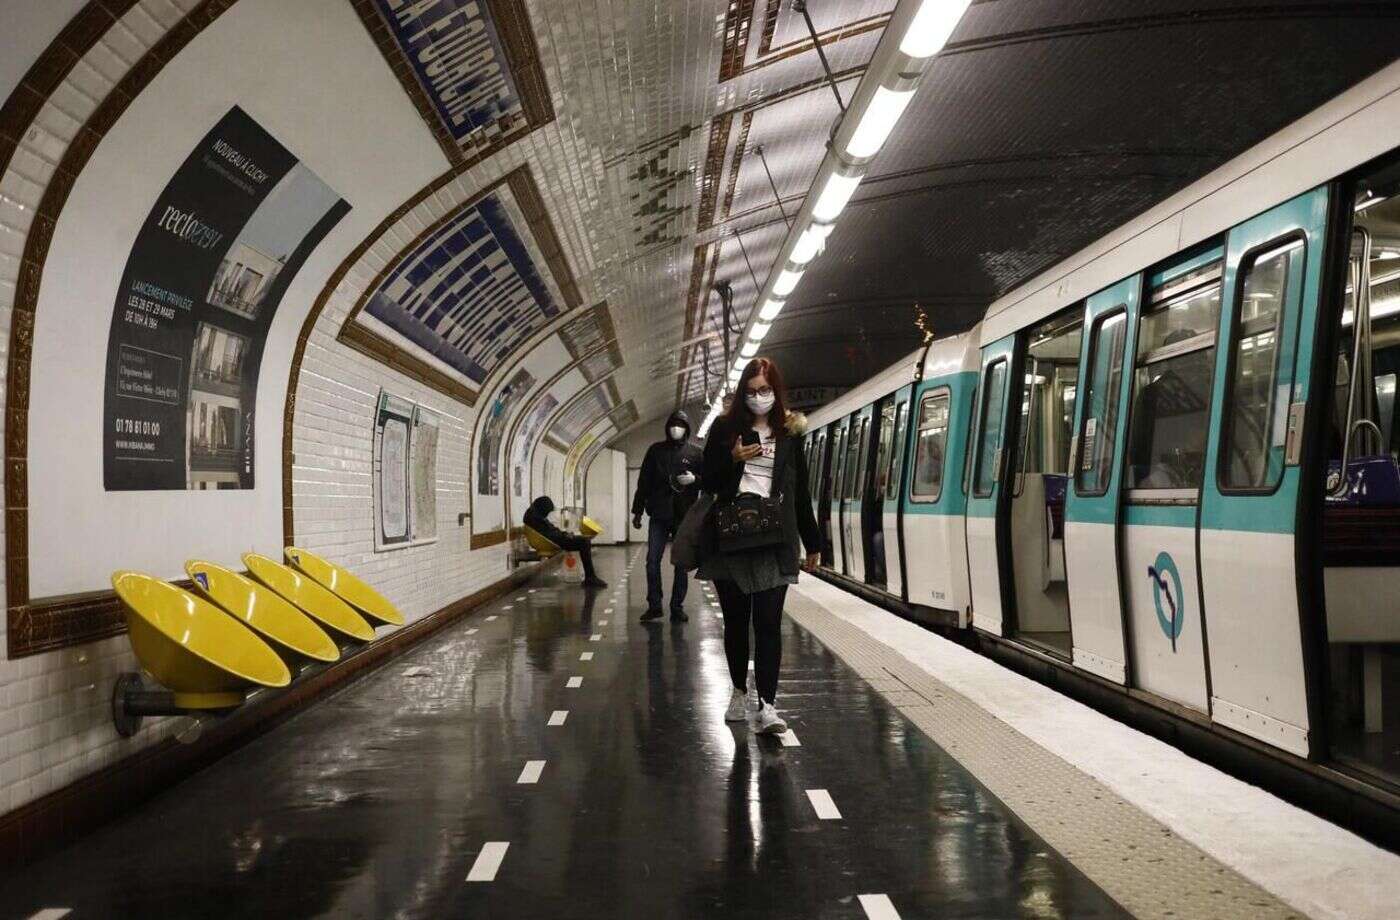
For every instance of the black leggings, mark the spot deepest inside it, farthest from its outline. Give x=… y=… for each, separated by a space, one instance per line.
x=765 y=610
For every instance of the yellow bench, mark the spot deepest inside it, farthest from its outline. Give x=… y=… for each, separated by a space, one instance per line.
x=542 y=545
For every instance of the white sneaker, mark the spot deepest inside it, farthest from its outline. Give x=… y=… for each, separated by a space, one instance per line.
x=738 y=705
x=769 y=722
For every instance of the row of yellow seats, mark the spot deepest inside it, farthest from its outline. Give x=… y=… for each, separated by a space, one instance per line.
x=208 y=646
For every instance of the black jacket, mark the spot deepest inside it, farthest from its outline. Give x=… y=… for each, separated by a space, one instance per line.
x=537 y=519
x=722 y=476
x=659 y=493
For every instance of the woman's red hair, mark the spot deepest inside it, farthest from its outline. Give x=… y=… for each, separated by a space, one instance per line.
x=738 y=417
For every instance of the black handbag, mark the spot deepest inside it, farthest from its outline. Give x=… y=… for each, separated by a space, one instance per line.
x=748 y=522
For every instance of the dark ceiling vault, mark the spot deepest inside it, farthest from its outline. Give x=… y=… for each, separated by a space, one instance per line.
x=1042 y=127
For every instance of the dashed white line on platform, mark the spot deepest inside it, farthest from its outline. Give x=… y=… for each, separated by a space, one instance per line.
x=520 y=597
x=574 y=683
x=609 y=609
x=52 y=913
x=821 y=801
x=508 y=607
x=586 y=656
x=490 y=618
x=878 y=906
x=789 y=739
x=471 y=631
x=558 y=717
x=488 y=861
x=602 y=622
x=596 y=637
x=532 y=771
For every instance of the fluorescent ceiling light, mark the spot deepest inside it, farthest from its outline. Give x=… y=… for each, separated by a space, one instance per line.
x=879 y=119
x=749 y=350
x=832 y=201
x=929 y=30
x=758 y=330
x=811 y=243
x=771 y=309
x=787 y=281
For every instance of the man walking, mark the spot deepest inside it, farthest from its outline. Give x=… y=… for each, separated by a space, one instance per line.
x=667 y=486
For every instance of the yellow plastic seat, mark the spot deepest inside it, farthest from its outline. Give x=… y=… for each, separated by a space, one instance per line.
x=539 y=542
x=205 y=657
x=318 y=602
x=346 y=585
x=589 y=527
x=289 y=631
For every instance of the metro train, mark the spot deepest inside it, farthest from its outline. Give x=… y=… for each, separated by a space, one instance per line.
x=1168 y=463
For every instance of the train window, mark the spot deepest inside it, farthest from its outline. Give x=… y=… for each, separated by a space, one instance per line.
x=895 y=480
x=882 y=456
x=1099 y=429
x=838 y=461
x=931 y=440
x=1047 y=399
x=853 y=459
x=1261 y=369
x=862 y=450
x=993 y=421
x=1171 y=386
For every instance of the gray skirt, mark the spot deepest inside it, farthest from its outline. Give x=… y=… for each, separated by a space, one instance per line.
x=754 y=571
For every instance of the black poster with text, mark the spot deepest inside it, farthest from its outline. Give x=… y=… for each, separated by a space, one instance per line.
x=202 y=284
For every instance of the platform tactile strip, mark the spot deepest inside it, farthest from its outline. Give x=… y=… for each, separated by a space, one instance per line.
x=1134 y=858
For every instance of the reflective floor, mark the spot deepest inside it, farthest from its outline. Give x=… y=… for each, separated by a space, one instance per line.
x=380 y=801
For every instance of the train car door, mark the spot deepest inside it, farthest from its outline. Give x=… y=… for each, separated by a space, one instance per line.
x=1168 y=420
x=858 y=453
x=893 y=488
x=984 y=556
x=1249 y=502
x=840 y=437
x=1048 y=385
x=873 y=510
x=820 y=470
x=1096 y=470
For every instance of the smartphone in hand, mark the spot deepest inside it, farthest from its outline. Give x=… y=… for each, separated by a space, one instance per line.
x=749 y=437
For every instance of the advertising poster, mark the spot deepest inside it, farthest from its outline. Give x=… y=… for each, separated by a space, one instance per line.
x=525 y=439
x=423 y=479
x=204 y=279
x=391 y=445
x=488 y=456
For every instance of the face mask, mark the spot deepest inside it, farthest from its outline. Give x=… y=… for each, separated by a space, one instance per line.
x=759 y=405
x=676 y=432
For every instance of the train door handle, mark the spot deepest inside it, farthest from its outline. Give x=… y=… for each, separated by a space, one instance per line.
x=1293 y=441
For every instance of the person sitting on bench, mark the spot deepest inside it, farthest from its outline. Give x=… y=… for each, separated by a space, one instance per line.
x=537 y=519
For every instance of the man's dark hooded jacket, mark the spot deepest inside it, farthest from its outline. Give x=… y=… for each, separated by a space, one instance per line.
x=659 y=492
x=537 y=519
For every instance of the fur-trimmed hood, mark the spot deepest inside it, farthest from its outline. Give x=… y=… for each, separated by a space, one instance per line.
x=796 y=424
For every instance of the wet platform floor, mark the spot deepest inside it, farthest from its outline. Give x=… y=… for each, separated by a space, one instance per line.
x=383 y=799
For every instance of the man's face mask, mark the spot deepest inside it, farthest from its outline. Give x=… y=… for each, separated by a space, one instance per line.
x=676 y=431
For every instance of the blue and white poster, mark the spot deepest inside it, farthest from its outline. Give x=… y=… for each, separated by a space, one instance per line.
x=472 y=291
x=455 y=50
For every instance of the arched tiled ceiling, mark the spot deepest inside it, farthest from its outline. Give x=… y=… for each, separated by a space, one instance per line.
x=1041 y=127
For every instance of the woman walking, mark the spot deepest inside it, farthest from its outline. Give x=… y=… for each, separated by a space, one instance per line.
x=756 y=448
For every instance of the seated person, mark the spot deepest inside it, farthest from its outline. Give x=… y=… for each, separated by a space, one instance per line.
x=537 y=519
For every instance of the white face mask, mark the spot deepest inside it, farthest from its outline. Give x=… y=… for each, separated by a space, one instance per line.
x=676 y=432
x=759 y=405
